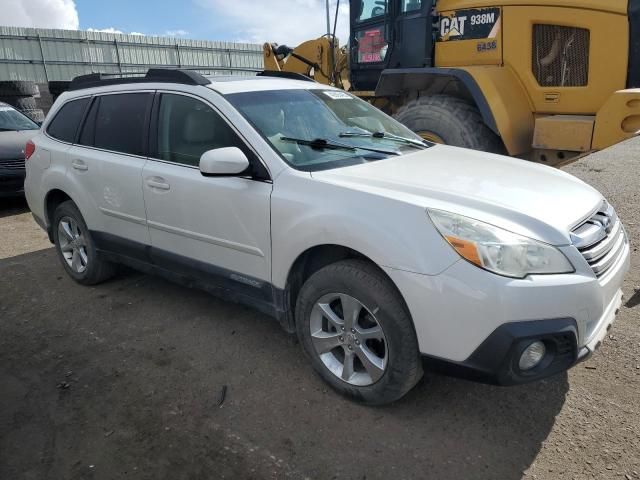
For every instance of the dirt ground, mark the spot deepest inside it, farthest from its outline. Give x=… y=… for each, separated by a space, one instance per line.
x=126 y=380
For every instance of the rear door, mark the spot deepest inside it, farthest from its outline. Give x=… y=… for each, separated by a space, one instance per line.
x=108 y=162
x=216 y=229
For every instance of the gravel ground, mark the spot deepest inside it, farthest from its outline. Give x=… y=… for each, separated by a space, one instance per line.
x=140 y=378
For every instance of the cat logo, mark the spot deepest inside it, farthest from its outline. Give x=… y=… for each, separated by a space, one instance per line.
x=470 y=24
x=452 y=27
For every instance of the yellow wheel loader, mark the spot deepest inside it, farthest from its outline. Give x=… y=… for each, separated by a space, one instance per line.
x=546 y=80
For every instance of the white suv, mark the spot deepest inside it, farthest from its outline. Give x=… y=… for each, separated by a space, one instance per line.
x=376 y=247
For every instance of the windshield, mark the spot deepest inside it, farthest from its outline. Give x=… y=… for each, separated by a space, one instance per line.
x=11 y=120
x=322 y=129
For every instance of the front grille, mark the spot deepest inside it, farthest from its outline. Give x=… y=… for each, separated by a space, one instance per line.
x=12 y=164
x=601 y=239
x=561 y=56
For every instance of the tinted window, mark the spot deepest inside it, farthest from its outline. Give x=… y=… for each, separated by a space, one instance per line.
x=187 y=128
x=65 y=124
x=117 y=123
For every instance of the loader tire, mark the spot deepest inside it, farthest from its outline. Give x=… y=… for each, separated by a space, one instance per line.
x=449 y=120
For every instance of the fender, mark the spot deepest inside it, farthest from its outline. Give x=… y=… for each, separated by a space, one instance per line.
x=495 y=90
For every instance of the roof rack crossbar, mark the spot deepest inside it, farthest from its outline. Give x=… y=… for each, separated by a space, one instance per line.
x=157 y=75
x=289 y=75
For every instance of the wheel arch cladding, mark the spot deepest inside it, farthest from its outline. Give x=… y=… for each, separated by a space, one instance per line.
x=52 y=200
x=314 y=259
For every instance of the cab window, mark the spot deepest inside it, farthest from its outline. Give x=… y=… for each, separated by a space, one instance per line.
x=371 y=9
x=409 y=6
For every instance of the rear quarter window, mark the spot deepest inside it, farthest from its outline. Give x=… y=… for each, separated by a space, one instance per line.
x=66 y=122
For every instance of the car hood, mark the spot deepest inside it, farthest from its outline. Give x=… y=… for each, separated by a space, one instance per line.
x=526 y=198
x=12 y=143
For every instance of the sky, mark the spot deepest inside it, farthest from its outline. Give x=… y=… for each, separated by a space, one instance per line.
x=254 y=21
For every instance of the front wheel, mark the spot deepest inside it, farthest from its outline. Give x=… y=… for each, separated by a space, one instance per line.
x=357 y=332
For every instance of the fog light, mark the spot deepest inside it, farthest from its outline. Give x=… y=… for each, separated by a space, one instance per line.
x=532 y=356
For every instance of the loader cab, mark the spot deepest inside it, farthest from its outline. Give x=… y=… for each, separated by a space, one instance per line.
x=389 y=34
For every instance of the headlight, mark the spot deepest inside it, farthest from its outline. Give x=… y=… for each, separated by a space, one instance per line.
x=498 y=250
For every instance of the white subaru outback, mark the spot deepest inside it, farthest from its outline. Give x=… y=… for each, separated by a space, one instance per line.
x=376 y=247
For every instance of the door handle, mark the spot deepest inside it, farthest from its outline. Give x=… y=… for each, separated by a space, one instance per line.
x=158 y=183
x=79 y=165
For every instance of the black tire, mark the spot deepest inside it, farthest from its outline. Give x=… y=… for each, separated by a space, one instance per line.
x=97 y=270
x=18 y=89
x=455 y=121
x=36 y=114
x=364 y=282
x=20 y=103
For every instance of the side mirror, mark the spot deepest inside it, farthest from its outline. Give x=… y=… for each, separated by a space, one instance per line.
x=226 y=161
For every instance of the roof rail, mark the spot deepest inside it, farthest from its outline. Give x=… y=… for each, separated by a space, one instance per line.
x=289 y=75
x=158 y=75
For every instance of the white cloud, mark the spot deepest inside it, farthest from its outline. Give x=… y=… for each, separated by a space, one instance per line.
x=105 y=30
x=176 y=33
x=282 y=21
x=115 y=30
x=40 y=14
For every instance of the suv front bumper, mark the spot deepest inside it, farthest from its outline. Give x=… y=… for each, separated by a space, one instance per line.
x=475 y=324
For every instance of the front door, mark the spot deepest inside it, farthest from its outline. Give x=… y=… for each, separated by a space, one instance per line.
x=215 y=229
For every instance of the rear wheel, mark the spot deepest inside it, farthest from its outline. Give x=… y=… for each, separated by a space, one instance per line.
x=357 y=332
x=451 y=121
x=76 y=248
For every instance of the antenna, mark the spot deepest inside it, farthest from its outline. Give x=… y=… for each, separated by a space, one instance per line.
x=328 y=18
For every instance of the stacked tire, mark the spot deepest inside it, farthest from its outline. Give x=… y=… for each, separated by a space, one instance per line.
x=22 y=96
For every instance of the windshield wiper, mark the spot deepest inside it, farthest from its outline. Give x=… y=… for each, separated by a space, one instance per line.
x=324 y=144
x=390 y=136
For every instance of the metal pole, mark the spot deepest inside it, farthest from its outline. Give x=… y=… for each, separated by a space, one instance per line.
x=115 y=42
x=328 y=19
x=44 y=61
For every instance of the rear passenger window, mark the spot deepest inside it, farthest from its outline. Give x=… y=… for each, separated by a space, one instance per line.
x=65 y=124
x=117 y=123
x=187 y=128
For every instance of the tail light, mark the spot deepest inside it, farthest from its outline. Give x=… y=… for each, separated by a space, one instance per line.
x=29 y=150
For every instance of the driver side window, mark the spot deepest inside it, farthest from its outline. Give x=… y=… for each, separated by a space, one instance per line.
x=187 y=128
x=371 y=9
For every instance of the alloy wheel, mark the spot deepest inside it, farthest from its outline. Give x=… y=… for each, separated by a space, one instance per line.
x=73 y=244
x=348 y=339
